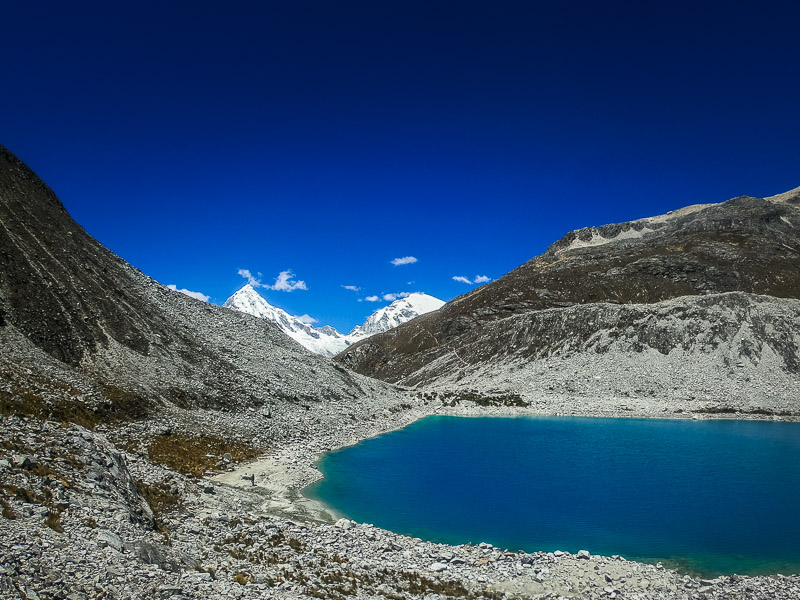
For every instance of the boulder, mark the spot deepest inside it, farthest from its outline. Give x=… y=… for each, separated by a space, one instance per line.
x=110 y=539
x=344 y=524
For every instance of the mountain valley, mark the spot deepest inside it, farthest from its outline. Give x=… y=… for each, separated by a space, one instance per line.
x=155 y=446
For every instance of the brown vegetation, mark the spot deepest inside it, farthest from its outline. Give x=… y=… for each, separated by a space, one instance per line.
x=52 y=400
x=196 y=455
x=53 y=521
x=8 y=511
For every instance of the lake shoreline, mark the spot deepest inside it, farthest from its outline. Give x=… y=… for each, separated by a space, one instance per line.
x=546 y=483
x=291 y=467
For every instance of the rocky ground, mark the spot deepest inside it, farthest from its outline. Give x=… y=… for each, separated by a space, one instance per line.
x=106 y=513
x=730 y=351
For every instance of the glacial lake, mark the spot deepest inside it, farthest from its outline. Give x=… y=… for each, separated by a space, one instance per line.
x=706 y=497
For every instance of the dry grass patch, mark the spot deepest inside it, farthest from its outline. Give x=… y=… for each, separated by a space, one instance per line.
x=49 y=399
x=196 y=455
x=53 y=521
x=8 y=511
x=158 y=497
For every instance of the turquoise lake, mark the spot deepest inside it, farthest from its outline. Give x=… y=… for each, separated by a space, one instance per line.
x=708 y=497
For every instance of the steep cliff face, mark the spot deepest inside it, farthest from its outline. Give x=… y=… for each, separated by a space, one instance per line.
x=72 y=308
x=746 y=244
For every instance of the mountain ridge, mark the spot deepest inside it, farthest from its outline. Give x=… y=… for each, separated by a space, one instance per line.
x=72 y=310
x=746 y=244
x=327 y=340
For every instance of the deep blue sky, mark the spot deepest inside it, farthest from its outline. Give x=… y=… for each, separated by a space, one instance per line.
x=329 y=138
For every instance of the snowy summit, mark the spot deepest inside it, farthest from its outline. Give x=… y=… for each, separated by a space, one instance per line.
x=398 y=312
x=327 y=340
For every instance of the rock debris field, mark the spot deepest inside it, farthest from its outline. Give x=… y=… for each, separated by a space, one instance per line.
x=88 y=514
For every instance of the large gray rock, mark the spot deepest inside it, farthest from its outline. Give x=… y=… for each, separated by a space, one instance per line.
x=149 y=553
x=108 y=538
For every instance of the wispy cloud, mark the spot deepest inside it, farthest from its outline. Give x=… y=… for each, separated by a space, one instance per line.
x=352 y=288
x=250 y=278
x=308 y=320
x=467 y=280
x=371 y=298
x=197 y=295
x=284 y=282
x=405 y=260
x=393 y=297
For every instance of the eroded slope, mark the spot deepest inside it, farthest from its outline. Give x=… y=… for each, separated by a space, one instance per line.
x=746 y=244
x=79 y=325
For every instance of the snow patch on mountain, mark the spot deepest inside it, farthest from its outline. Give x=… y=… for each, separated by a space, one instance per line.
x=323 y=340
x=326 y=340
x=397 y=313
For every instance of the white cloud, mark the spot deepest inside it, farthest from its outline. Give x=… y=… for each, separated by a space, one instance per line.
x=283 y=282
x=405 y=260
x=197 y=295
x=371 y=298
x=308 y=320
x=352 y=288
x=250 y=278
x=393 y=297
x=478 y=279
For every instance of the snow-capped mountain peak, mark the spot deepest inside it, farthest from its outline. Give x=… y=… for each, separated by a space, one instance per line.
x=326 y=340
x=397 y=313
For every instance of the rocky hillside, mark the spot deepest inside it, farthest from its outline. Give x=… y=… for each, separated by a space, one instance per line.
x=724 y=353
x=747 y=244
x=84 y=332
x=130 y=416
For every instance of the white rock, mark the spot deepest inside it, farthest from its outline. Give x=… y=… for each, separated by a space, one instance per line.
x=344 y=524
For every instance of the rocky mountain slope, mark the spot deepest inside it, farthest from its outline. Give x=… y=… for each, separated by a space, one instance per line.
x=91 y=330
x=130 y=414
x=327 y=340
x=725 y=353
x=591 y=285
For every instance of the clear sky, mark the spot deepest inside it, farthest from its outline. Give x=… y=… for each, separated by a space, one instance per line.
x=199 y=140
